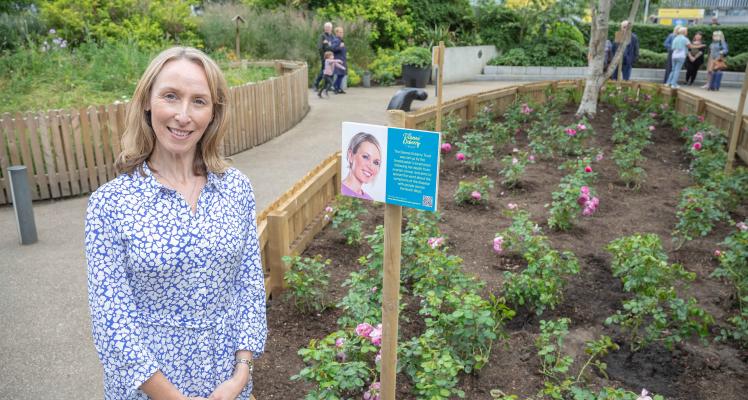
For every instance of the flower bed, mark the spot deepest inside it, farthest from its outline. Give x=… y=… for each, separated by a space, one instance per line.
x=549 y=241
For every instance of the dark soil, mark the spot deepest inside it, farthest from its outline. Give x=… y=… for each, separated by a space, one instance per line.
x=692 y=371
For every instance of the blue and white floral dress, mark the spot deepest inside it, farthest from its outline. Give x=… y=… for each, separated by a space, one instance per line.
x=170 y=290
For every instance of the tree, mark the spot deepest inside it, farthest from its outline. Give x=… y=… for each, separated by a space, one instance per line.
x=596 y=76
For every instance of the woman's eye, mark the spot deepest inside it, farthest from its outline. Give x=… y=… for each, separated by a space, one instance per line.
x=201 y=102
x=170 y=96
x=365 y=157
x=377 y=162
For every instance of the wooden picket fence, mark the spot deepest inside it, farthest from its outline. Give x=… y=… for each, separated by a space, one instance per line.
x=72 y=152
x=289 y=224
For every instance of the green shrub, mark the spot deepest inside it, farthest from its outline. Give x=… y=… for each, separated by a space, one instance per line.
x=497 y=25
x=386 y=67
x=447 y=15
x=19 y=29
x=152 y=25
x=650 y=59
x=737 y=62
x=473 y=192
x=514 y=57
x=391 y=27
x=307 y=281
x=733 y=266
x=416 y=56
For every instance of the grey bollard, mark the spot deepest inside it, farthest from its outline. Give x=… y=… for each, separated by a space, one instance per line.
x=402 y=99
x=20 y=193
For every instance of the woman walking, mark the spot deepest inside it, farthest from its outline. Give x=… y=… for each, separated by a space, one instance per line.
x=681 y=44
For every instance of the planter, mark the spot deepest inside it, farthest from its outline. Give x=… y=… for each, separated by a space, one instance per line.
x=366 y=79
x=415 y=77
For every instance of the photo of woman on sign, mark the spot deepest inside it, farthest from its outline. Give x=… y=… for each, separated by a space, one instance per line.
x=363 y=159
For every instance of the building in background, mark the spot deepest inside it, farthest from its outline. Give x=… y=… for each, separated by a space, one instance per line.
x=689 y=12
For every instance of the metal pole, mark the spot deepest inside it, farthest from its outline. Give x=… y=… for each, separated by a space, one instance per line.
x=20 y=193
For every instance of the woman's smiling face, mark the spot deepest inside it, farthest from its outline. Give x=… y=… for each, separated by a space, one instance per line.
x=365 y=162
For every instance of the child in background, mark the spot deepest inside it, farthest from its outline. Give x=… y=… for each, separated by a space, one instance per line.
x=330 y=65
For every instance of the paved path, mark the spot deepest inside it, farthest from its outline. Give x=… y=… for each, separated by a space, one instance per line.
x=45 y=340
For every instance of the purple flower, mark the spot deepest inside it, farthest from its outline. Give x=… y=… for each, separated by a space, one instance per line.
x=475 y=195
x=446 y=148
x=460 y=157
x=52 y=31
x=376 y=335
x=339 y=342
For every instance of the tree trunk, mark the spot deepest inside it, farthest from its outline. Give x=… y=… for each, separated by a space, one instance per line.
x=596 y=76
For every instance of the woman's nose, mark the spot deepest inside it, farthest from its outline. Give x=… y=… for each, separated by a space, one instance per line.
x=183 y=114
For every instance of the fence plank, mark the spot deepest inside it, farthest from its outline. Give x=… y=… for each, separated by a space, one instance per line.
x=58 y=150
x=117 y=124
x=80 y=157
x=11 y=138
x=69 y=145
x=36 y=148
x=105 y=125
x=4 y=179
x=49 y=162
x=24 y=136
x=96 y=135
x=88 y=145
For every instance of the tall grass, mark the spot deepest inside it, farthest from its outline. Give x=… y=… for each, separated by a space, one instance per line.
x=91 y=74
x=283 y=33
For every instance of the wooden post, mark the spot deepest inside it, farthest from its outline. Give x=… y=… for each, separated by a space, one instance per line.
x=736 y=124
x=393 y=216
x=439 y=61
x=238 y=19
x=279 y=243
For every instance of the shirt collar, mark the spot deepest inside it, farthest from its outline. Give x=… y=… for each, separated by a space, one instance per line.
x=214 y=181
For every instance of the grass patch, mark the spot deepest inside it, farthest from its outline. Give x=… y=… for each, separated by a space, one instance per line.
x=91 y=74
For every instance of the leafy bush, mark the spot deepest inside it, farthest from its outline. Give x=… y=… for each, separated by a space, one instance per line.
x=656 y=313
x=346 y=217
x=19 y=29
x=307 y=281
x=549 y=51
x=514 y=57
x=476 y=147
x=386 y=67
x=497 y=25
x=733 y=266
x=152 y=25
x=446 y=15
x=540 y=285
x=473 y=192
x=416 y=56
x=513 y=166
x=737 y=62
x=650 y=59
x=574 y=194
x=391 y=27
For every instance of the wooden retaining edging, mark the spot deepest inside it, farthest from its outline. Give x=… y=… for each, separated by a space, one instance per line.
x=289 y=224
x=72 y=152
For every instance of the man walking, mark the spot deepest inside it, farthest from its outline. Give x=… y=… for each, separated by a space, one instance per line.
x=323 y=44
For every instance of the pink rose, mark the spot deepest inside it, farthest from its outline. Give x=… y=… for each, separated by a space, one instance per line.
x=514 y=160
x=376 y=335
x=588 y=169
x=378 y=358
x=460 y=157
x=446 y=148
x=475 y=195
x=570 y=132
x=698 y=137
x=644 y=395
x=512 y=206
x=717 y=253
x=584 y=190
x=531 y=158
x=697 y=146
x=652 y=128
x=435 y=242
x=328 y=209
x=742 y=226
x=497 y=243
x=701 y=118
x=339 y=342
x=583 y=199
x=581 y=127
x=599 y=157
x=364 y=329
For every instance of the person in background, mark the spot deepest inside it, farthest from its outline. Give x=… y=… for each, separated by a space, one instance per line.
x=717 y=49
x=630 y=54
x=668 y=47
x=329 y=66
x=340 y=53
x=715 y=21
x=694 y=58
x=324 y=44
x=175 y=281
x=680 y=46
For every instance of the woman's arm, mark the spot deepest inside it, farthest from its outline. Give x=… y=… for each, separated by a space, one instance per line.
x=117 y=336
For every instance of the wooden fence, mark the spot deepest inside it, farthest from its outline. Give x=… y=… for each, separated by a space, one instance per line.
x=71 y=152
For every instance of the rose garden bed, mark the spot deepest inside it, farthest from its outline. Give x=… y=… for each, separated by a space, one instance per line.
x=448 y=302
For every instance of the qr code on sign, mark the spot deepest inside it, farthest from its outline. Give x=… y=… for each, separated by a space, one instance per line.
x=428 y=201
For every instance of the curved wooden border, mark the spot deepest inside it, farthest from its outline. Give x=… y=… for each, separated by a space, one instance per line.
x=72 y=152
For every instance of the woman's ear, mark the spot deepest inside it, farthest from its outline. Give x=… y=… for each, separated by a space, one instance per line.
x=349 y=158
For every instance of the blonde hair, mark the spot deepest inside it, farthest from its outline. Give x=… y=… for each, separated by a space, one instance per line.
x=139 y=138
x=720 y=35
x=682 y=30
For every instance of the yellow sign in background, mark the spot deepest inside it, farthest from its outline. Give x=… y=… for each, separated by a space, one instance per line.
x=681 y=13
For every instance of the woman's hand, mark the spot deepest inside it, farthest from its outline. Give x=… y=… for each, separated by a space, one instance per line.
x=228 y=390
